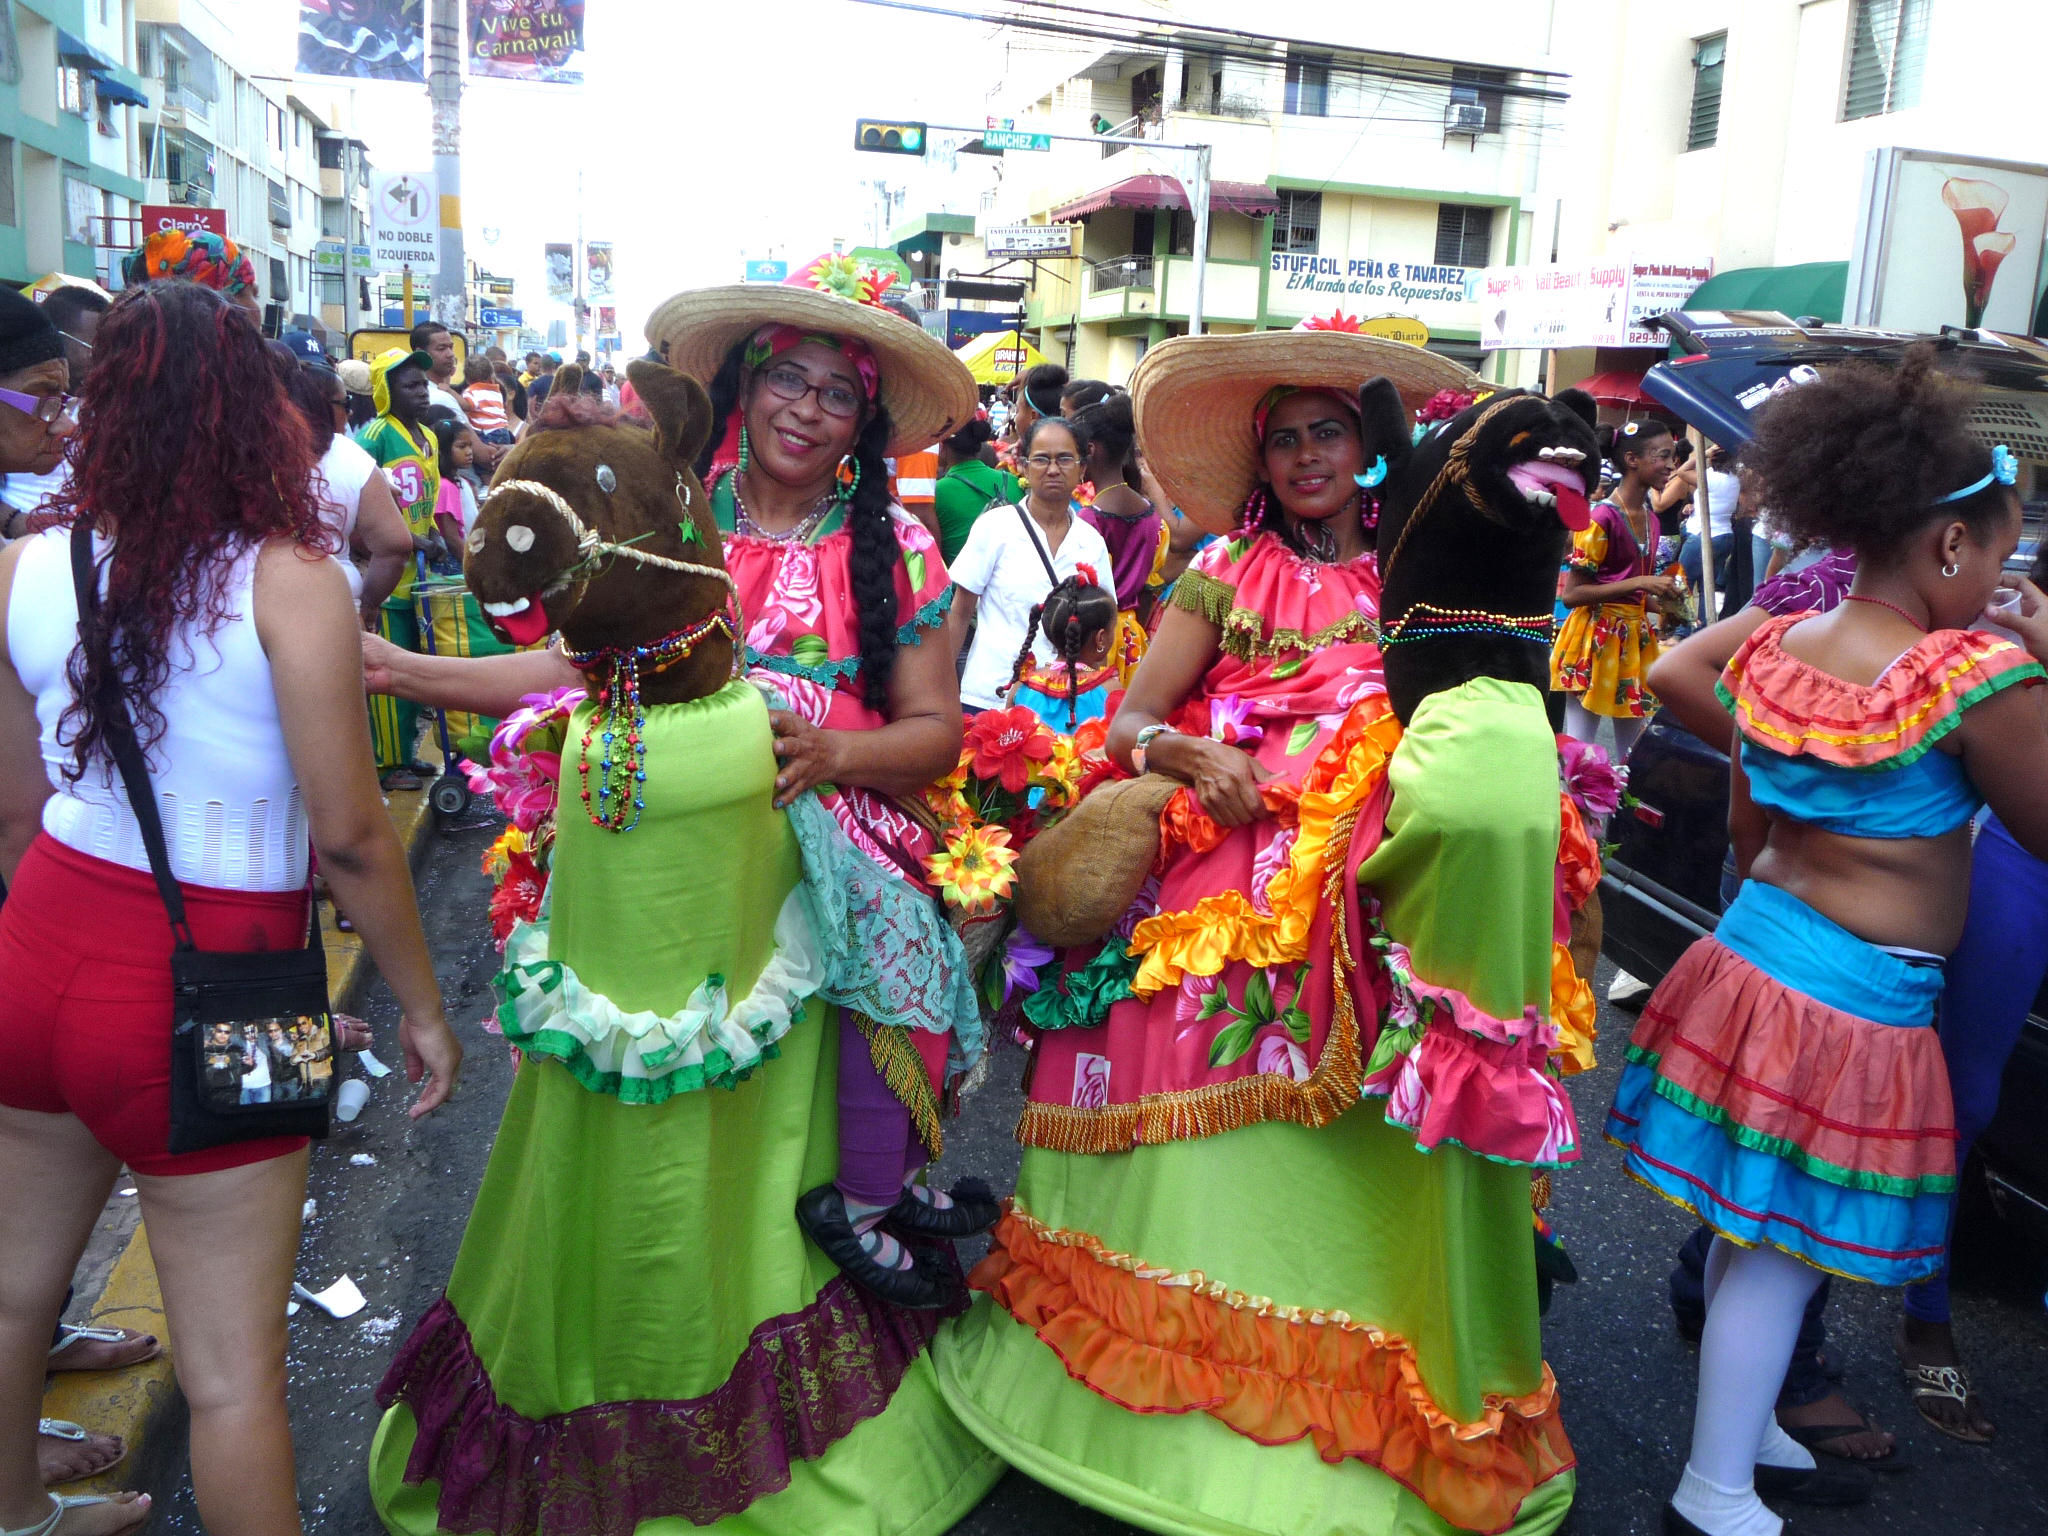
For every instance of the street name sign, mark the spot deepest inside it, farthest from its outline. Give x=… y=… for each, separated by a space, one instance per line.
x=1010 y=138
x=1030 y=240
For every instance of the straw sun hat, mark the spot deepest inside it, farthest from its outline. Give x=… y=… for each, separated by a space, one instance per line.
x=928 y=391
x=1193 y=398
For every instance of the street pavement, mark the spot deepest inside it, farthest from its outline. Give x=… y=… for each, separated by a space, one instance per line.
x=393 y=1225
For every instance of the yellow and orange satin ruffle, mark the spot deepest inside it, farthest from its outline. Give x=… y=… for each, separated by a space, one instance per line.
x=1154 y=1341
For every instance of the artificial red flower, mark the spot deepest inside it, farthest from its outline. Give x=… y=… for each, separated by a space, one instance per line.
x=1004 y=743
x=517 y=897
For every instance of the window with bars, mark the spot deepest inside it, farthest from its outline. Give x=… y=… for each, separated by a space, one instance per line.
x=1481 y=88
x=1308 y=88
x=1464 y=235
x=1298 y=222
x=1709 y=58
x=1887 y=51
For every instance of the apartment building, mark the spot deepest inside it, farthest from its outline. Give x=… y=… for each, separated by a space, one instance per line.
x=1376 y=172
x=69 y=95
x=1742 y=136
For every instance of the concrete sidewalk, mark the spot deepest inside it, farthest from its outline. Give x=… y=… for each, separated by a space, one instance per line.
x=130 y=1403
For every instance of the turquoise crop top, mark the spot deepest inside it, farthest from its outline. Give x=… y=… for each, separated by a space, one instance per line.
x=1925 y=798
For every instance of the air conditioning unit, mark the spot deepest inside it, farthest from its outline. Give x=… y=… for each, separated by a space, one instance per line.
x=1465 y=117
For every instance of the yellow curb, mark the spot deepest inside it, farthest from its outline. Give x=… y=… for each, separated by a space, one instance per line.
x=130 y=1402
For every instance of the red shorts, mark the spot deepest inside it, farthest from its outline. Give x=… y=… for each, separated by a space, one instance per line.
x=85 y=1010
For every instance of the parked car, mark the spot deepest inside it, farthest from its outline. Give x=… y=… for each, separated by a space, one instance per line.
x=1662 y=888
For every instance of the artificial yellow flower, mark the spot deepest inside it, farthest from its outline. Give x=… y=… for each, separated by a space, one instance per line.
x=1058 y=774
x=976 y=869
x=498 y=857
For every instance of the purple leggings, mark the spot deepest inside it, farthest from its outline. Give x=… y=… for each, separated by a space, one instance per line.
x=877 y=1149
x=1992 y=978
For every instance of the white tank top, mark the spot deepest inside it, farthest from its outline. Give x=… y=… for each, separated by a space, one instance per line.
x=345 y=468
x=232 y=814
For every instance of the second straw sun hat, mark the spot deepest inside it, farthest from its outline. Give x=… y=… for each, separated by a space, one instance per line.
x=927 y=390
x=1193 y=398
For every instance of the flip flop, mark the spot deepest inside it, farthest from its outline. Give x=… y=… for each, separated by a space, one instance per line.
x=1817 y=1438
x=69 y=1334
x=62 y=1504
x=64 y=1429
x=401 y=779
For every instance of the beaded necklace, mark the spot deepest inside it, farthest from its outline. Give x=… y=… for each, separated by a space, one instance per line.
x=743 y=521
x=1429 y=622
x=623 y=779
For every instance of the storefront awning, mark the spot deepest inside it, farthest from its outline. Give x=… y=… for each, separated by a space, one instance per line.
x=1245 y=197
x=1814 y=288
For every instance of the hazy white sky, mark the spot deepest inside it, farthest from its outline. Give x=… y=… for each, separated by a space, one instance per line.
x=706 y=130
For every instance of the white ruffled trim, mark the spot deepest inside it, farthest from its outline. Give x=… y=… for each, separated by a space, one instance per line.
x=648 y=1048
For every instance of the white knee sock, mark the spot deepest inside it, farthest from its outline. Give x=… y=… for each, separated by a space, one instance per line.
x=1625 y=733
x=1751 y=1328
x=1778 y=1449
x=1723 y=1511
x=1580 y=723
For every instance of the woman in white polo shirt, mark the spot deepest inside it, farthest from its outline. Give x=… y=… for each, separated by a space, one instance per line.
x=1014 y=556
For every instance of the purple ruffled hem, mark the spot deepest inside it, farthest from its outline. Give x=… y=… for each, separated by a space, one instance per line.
x=802 y=1383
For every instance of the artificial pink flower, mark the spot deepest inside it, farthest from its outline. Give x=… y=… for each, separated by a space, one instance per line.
x=1230 y=722
x=1589 y=776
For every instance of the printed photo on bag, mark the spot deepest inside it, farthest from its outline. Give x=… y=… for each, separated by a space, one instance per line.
x=266 y=1061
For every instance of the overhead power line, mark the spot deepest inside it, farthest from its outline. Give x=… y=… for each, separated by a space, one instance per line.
x=1255 y=49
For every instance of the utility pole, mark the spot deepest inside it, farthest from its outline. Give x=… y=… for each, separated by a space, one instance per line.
x=444 y=89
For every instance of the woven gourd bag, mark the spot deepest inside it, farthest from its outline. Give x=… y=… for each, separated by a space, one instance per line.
x=1078 y=877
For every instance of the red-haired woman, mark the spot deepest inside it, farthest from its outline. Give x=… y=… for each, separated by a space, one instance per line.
x=233 y=639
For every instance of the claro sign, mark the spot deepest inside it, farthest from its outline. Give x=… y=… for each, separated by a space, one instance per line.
x=160 y=217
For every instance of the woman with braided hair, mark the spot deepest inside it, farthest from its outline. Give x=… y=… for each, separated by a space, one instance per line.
x=839 y=590
x=1078 y=620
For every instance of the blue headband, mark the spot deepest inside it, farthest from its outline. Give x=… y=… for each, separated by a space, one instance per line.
x=2005 y=469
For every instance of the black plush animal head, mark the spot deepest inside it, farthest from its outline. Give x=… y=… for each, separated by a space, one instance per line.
x=1476 y=517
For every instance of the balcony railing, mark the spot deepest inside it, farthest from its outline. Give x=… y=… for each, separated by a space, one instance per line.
x=1121 y=272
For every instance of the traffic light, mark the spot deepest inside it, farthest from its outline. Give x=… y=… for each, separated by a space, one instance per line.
x=887 y=138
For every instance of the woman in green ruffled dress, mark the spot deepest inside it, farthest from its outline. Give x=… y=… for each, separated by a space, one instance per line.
x=638 y=1335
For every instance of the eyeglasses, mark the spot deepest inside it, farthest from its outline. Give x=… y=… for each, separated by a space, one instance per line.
x=48 y=409
x=1052 y=461
x=834 y=399
x=79 y=339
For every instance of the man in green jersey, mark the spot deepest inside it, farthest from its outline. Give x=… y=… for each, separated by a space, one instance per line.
x=401 y=442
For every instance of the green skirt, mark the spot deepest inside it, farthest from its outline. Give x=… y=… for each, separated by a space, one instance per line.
x=1281 y=1330
x=636 y=1336
x=1168 y=1352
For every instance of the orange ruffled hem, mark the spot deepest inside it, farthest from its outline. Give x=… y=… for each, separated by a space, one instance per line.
x=1226 y=926
x=1156 y=1342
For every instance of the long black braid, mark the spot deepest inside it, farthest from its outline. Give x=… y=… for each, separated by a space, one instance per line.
x=868 y=519
x=1072 y=615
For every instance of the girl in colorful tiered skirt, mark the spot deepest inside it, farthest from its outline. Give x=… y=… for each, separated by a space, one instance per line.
x=1785 y=1082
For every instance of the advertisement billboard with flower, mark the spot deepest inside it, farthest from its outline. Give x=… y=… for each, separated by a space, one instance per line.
x=1948 y=240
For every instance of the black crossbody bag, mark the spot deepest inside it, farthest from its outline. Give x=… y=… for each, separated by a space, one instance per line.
x=230 y=1011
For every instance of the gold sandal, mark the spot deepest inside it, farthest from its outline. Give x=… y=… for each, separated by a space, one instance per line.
x=1942 y=1383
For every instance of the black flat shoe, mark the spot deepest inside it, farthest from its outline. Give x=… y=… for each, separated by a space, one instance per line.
x=1676 y=1524
x=974 y=1209
x=1829 y=1485
x=924 y=1286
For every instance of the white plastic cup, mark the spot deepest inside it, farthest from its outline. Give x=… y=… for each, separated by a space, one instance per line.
x=355 y=1093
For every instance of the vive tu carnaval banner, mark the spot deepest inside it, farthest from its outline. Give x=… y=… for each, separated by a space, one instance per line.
x=533 y=40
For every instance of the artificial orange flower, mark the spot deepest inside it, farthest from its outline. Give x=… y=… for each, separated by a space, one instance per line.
x=976 y=869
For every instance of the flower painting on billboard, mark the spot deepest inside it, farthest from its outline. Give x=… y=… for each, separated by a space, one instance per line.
x=531 y=40
x=1949 y=241
x=364 y=39
x=1978 y=206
